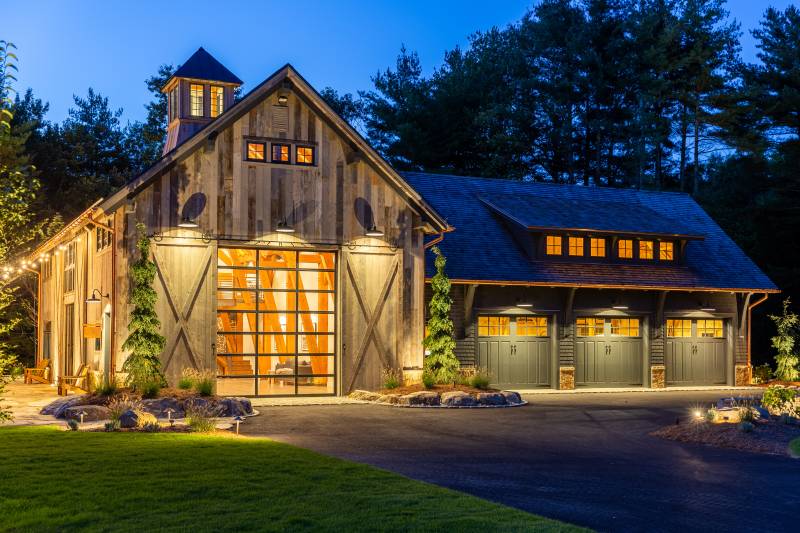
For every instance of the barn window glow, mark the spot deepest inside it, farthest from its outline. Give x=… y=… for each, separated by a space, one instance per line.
x=304 y=155
x=576 y=246
x=666 y=251
x=553 y=245
x=645 y=249
x=280 y=153
x=625 y=248
x=217 y=100
x=256 y=151
x=196 y=100
x=598 y=247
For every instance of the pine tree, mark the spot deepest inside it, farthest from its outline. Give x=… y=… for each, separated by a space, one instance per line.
x=440 y=362
x=783 y=342
x=143 y=365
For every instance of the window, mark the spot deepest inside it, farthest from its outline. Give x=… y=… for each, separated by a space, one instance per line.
x=589 y=327
x=217 y=100
x=256 y=151
x=280 y=153
x=494 y=326
x=102 y=238
x=666 y=251
x=645 y=249
x=304 y=155
x=196 y=100
x=553 y=245
x=173 y=104
x=47 y=268
x=69 y=267
x=679 y=328
x=709 y=328
x=625 y=248
x=598 y=247
x=576 y=246
x=532 y=326
x=625 y=327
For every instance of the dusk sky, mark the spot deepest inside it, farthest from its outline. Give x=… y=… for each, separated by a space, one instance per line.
x=65 y=47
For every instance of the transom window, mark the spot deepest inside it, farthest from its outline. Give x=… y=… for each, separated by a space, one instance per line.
x=679 y=328
x=709 y=328
x=532 y=326
x=645 y=249
x=598 y=247
x=304 y=155
x=256 y=151
x=589 y=326
x=217 y=100
x=576 y=246
x=666 y=251
x=553 y=245
x=625 y=327
x=494 y=326
x=280 y=153
x=196 y=100
x=625 y=248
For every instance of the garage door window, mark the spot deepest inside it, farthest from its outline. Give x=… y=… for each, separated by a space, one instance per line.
x=589 y=327
x=494 y=326
x=679 y=328
x=709 y=328
x=625 y=327
x=532 y=326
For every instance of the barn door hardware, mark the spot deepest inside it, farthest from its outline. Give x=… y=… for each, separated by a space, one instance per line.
x=513 y=349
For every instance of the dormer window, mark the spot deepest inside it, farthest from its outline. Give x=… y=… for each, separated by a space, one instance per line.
x=196 y=100
x=576 y=246
x=598 y=247
x=645 y=249
x=666 y=251
x=217 y=100
x=553 y=245
x=625 y=249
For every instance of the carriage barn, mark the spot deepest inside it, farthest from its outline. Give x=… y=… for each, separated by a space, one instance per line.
x=566 y=286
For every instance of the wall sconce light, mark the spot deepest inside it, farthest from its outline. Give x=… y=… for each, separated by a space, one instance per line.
x=96 y=296
x=706 y=306
x=373 y=231
x=187 y=222
x=284 y=227
x=524 y=303
x=618 y=305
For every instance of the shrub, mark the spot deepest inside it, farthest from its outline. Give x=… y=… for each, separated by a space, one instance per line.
x=762 y=373
x=711 y=415
x=185 y=383
x=794 y=448
x=200 y=418
x=107 y=387
x=391 y=377
x=480 y=379
x=72 y=425
x=151 y=427
x=786 y=359
x=746 y=427
x=440 y=359
x=201 y=380
x=150 y=389
x=205 y=387
x=188 y=378
x=428 y=380
x=111 y=426
x=778 y=399
x=119 y=405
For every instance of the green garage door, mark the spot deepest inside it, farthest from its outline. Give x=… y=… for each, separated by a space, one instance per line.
x=695 y=352
x=608 y=352
x=515 y=350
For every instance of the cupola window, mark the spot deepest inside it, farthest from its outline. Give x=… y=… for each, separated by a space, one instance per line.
x=196 y=100
x=217 y=100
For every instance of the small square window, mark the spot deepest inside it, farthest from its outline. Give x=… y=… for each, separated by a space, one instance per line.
x=598 y=247
x=280 y=153
x=645 y=249
x=576 y=246
x=304 y=155
x=256 y=151
x=625 y=248
x=666 y=251
x=553 y=245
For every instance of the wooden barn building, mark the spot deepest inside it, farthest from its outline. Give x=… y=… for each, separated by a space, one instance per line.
x=291 y=261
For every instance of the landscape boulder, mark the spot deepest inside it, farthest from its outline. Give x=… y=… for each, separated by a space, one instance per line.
x=246 y=404
x=232 y=407
x=57 y=407
x=389 y=398
x=458 y=399
x=427 y=398
x=512 y=397
x=365 y=395
x=159 y=407
x=93 y=413
x=491 y=398
x=136 y=419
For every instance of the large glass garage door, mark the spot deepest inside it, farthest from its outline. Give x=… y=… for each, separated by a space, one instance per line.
x=276 y=322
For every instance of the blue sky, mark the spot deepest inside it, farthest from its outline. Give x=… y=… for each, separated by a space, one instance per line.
x=66 y=46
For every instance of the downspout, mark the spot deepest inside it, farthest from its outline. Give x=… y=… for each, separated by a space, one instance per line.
x=435 y=241
x=111 y=372
x=749 y=316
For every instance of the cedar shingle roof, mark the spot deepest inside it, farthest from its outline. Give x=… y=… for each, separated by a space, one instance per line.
x=482 y=249
x=203 y=66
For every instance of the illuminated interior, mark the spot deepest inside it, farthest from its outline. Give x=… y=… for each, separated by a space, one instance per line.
x=553 y=245
x=598 y=247
x=494 y=326
x=679 y=328
x=196 y=100
x=576 y=246
x=666 y=251
x=305 y=155
x=625 y=248
x=217 y=100
x=275 y=322
x=280 y=153
x=532 y=326
x=645 y=249
x=255 y=151
x=589 y=326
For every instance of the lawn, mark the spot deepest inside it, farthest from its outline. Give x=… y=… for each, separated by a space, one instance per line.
x=57 y=480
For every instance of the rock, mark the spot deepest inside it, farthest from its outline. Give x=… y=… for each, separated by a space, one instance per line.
x=58 y=407
x=93 y=413
x=159 y=407
x=458 y=399
x=136 y=419
x=231 y=407
x=365 y=395
x=427 y=398
x=247 y=405
x=491 y=398
x=512 y=397
x=390 y=398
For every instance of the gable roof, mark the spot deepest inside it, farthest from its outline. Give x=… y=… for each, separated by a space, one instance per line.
x=314 y=100
x=482 y=249
x=203 y=66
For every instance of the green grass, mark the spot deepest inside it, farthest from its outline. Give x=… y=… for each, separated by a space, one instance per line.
x=794 y=448
x=55 y=480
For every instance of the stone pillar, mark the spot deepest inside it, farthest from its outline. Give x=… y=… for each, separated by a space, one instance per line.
x=566 y=378
x=657 y=376
x=743 y=375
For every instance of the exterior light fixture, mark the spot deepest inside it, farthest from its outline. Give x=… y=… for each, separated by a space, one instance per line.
x=187 y=222
x=282 y=99
x=619 y=307
x=373 y=231
x=284 y=227
x=708 y=308
x=524 y=303
x=96 y=296
x=239 y=419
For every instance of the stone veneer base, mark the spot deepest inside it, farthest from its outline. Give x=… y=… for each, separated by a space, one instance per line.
x=566 y=378
x=658 y=376
x=743 y=375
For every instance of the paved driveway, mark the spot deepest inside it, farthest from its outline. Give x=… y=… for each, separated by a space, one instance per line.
x=585 y=459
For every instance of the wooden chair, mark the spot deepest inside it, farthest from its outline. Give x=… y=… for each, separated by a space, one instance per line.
x=79 y=383
x=39 y=374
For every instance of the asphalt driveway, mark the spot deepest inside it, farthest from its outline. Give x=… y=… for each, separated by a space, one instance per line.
x=585 y=459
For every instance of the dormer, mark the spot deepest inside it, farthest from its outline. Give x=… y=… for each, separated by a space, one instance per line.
x=199 y=91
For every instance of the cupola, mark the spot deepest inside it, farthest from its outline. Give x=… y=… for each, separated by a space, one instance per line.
x=199 y=91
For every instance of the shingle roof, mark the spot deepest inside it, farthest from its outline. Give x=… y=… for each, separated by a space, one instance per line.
x=482 y=249
x=204 y=66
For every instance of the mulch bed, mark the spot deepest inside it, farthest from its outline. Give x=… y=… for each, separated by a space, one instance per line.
x=437 y=388
x=770 y=437
x=777 y=382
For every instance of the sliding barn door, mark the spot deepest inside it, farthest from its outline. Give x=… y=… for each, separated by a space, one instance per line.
x=371 y=303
